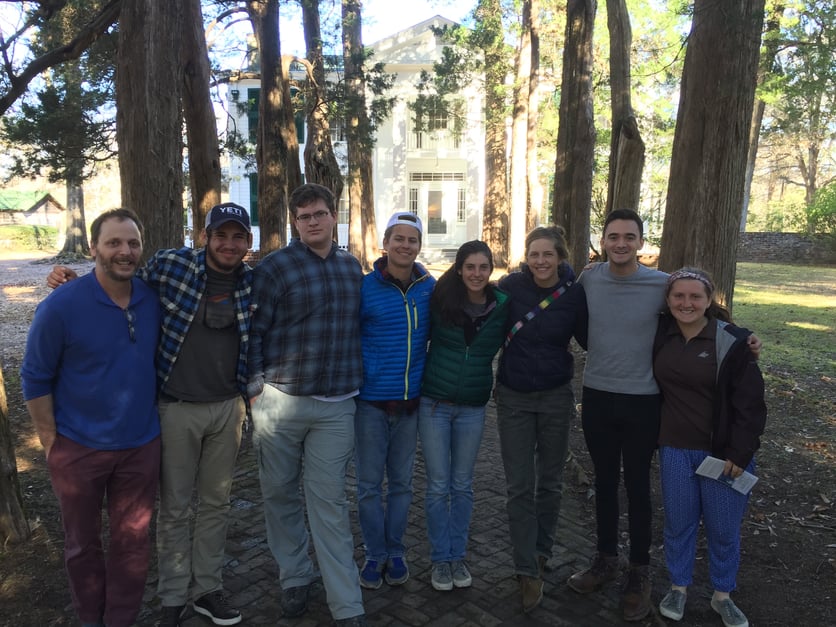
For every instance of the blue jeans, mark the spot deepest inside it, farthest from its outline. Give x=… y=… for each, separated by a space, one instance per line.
x=534 y=438
x=384 y=443
x=450 y=439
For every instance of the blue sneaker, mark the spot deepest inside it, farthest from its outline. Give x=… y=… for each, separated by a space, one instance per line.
x=371 y=576
x=397 y=572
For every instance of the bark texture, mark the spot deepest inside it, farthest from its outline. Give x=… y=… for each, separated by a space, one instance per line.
x=705 y=189
x=201 y=129
x=576 y=132
x=13 y=524
x=626 y=145
x=148 y=121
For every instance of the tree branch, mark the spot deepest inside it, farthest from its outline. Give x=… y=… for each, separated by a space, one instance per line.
x=72 y=50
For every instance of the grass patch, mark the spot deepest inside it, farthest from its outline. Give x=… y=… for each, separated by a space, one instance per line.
x=19 y=237
x=793 y=310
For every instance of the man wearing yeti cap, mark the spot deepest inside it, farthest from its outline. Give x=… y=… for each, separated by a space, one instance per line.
x=394 y=342
x=202 y=376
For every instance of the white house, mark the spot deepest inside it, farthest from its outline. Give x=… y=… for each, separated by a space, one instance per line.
x=434 y=169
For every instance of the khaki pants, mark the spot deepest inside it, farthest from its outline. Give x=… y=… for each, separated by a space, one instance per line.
x=199 y=447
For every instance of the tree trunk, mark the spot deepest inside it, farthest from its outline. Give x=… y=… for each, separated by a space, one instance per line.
x=626 y=145
x=271 y=152
x=520 y=198
x=321 y=164
x=576 y=132
x=495 y=219
x=201 y=128
x=772 y=42
x=291 y=139
x=535 y=191
x=148 y=122
x=362 y=228
x=751 y=159
x=13 y=524
x=75 y=240
x=705 y=189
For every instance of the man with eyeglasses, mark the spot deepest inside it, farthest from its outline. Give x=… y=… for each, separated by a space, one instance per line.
x=305 y=369
x=90 y=388
x=201 y=368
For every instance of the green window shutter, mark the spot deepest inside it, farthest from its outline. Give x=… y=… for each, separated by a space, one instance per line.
x=253 y=198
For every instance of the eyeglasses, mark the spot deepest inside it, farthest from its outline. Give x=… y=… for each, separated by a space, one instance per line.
x=317 y=215
x=131 y=316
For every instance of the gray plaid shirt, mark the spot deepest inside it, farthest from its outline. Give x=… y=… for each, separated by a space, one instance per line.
x=305 y=332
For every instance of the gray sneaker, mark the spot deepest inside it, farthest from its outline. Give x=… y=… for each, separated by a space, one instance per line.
x=461 y=576
x=732 y=617
x=442 y=577
x=673 y=605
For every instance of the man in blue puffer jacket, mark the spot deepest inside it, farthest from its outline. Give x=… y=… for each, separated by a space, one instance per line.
x=394 y=326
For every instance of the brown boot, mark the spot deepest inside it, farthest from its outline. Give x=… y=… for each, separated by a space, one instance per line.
x=604 y=568
x=635 y=598
x=543 y=565
x=531 y=589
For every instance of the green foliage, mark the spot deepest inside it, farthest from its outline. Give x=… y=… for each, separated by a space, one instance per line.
x=28 y=237
x=66 y=126
x=821 y=215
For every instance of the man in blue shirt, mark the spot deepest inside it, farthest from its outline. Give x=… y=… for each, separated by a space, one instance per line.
x=305 y=368
x=89 y=385
x=201 y=369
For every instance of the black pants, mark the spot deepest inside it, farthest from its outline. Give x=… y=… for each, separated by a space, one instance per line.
x=622 y=429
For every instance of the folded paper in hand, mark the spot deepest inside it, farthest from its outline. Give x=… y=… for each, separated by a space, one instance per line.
x=712 y=468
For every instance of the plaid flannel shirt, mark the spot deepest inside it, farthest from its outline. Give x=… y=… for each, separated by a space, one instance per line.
x=179 y=278
x=305 y=333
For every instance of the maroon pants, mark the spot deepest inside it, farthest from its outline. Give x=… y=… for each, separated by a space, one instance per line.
x=105 y=589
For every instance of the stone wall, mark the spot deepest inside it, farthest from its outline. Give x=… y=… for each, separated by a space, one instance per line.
x=794 y=248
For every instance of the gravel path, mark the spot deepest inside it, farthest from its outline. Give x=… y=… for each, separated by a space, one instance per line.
x=22 y=287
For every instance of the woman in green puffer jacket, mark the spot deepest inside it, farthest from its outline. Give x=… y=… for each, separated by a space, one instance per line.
x=468 y=327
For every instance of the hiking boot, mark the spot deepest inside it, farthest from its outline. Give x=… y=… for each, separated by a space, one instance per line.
x=397 y=572
x=543 y=565
x=461 y=575
x=604 y=568
x=371 y=576
x=215 y=606
x=673 y=605
x=635 y=597
x=531 y=589
x=442 y=576
x=729 y=612
x=354 y=621
x=295 y=601
x=170 y=615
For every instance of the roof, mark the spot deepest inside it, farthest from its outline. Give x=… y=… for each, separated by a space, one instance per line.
x=14 y=200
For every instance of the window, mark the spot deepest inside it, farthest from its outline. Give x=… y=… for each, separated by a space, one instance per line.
x=461 y=207
x=413 y=200
x=253 y=198
x=252 y=114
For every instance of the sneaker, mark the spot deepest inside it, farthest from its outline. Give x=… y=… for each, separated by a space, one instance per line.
x=461 y=576
x=371 y=576
x=354 y=621
x=397 y=572
x=604 y=568
x=215 y=606
x=531 y=589
x=170 y=615
x=442 y=577
x=635 y=597
x=728 y=611
x=295 y=601
x=673 y=605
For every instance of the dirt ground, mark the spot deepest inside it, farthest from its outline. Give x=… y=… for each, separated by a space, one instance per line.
x=789 y=534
